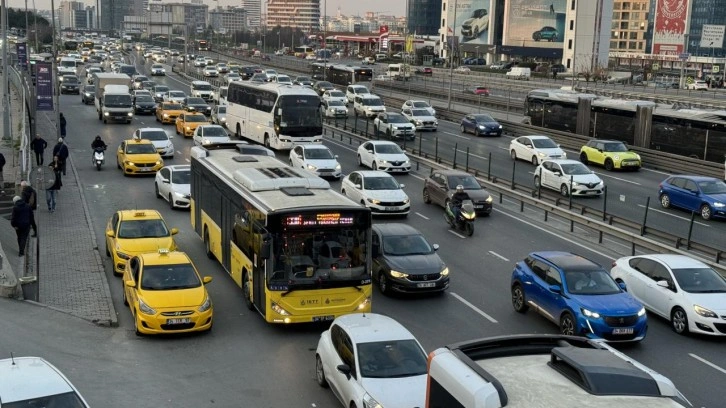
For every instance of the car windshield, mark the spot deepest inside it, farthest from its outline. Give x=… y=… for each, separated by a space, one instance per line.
x=335 y=102
x=140 y=79
x=381 y=183
x=144 y=98
x=66 y=400
x=148 y=84
x=372 y=102
x=172 y=106
x=324 y=85
x=594 y=282
x=140 y=148
x=421 y=104
x=198 y=101
x=318 y=154
x=615 y=147
x=195 y=118
x=336 y=94
x=391 y=359
x=177 y=94
x=544 y=143
x=155 y=66
x=712 y=187
x=420 y=112
x=283 y=78
x=483 y=119
x=143 y=228
x=181 y=177
x=397 y=119
x=388 y=149
x=117 y=100
x=169 y=277
x=302 y=78
x=469 y=182
x=221 y=109
x=90 y=88
x=214 y=131
x=401 y=245
x=700 y=280
x=203 y=87
x=160 y=89
x=154 y=135
x=575 y=169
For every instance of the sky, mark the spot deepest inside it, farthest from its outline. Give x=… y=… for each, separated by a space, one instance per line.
x=347 y=7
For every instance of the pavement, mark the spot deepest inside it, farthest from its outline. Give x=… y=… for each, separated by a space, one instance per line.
x=64 y=259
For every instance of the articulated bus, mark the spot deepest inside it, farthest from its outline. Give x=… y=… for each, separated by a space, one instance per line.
x=298 y=249
x=341 y=74
x=202 y=45
x=70 y=45
x=276 y=115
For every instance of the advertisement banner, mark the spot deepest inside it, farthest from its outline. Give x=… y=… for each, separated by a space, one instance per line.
x=712 y=36
x=22 y=51
x=471 y=21
x=535 y=23
x=671 y=20
x=44 y=86
x=383 y=37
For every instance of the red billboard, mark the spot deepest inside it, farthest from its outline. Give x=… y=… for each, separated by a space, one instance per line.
x=671 y=23
x=383 y=37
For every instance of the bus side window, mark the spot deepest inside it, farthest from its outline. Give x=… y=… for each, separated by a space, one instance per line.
x=243 y=239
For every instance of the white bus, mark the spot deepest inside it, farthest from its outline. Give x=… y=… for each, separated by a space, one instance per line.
x=276 y=115
x=399 y=71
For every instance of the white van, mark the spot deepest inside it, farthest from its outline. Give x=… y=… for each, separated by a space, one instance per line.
x=352 y=90
x=202 y=89
x=368 y=105
x=67 y=65
x=220 y=97
x=519 y=73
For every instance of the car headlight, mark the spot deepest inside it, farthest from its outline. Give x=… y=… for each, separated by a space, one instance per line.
x=407 y=162
x=482 y=127
x=381 y=161
x=637 y=156
x=122 y=255
x=542 y=154
x=105 y=113
x=206 y=305
x=564 y=154
x=589 y=313
x=397 y=274
x=419 y=123
x=278 y=309
x=489 y=199
x=616 y=157
x=406 y=200
x=500 y=126
x=362 y=305
x=130 y=114
x=166 y=115
x=223 y=119
x=445 y=272
x=374 y=201
x=145 y=309
x=188 y=128
x=433 y=112
x=311 y=167
x=719 y=205
x=641 y=312
x=88 y=95
x=703 y=311
x=369 y=402
x=180 y=195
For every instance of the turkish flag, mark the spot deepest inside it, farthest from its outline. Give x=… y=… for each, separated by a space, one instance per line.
x=383 y=30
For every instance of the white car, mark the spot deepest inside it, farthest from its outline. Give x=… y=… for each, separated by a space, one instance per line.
x=157 y=69
x=371 y=360
x=209 y=60
x=172 y=183
x=317 y=159
x=378 y=191
x=683 y=290
x=175 y=96
x=418 y=104
x=383 y=155
x=200 y=62
x=148 y=53
x=355 y=90
x=462 y=70
x=283 y=79
x=158 y=137
x=232 y=77
x=210 y=71
x=333 y=109
x=159 y=58
x=34 y=382
x=698 y=85
x=535 y=149
x=394 y=126
x=568 y=177
x=207 y=134
x=270 y=73
x=421 y=118
x=219 y=115
x=335 y=95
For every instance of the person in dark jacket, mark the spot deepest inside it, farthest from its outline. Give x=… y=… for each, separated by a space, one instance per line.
x=2 y=178
x=38 y=145
x=21 y=219
x=30 y=196
x=52 y=191
x=61 y=150
x=63 y=125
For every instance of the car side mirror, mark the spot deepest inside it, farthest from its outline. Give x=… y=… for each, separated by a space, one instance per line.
x=435 y=247
x=358 y=186
x=557 y=173
x=623 y=286
x=165 y=180
x=171 y=136
x=174 y=231
x=206 y=279
x=336 y=157
x=402 y=185
x=130 y=284
x=370 y=151
x=345 y=370
x=663 y=284
x=555 y=289
x=110 y=234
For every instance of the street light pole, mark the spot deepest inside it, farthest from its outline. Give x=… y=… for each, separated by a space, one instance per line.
x=56 y=106
x=325 y=39
x=6 y=91
x=451 y=55
x=681 y=82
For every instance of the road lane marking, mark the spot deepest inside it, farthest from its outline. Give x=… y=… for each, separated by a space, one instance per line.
x=499 y=256
x=673 y=215
x=471 y=154
x=457 y=234
x=459 y=136
x=474 y=308
x=704 y=361
x=422 y=216
x=618 y=178
x=187 y=160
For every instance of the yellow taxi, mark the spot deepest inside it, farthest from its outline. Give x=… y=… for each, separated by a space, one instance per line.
x=138 y=156
x=165 y=294
x=167 y=112
x=133 y=232
x=188 y=122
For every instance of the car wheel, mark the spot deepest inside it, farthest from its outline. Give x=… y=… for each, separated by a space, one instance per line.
x=117 y=163
x=513 y=154
x=247 y=291
x=207 y=245
x=177 y=130
x=156 y=190
x=665 y=201
x=374 y=166
x=564 y=190
x=706 y=212
x=320 y=372
x=679 y=321
x=171 y=201
x=583 y=158
x=535 y=162
x=518 y=301
x=137 y=324
x=609 y=166
x=123 y=295
x=462 y=128
x=537 y=183
x=426 y=197
x=383 y=283
x=567 y=325
x=108 y=251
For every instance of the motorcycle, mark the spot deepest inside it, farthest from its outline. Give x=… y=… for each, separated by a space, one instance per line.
x=98 y=157
x=465 y=221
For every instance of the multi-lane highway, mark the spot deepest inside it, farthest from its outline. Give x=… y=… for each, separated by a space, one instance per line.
x=246 y=362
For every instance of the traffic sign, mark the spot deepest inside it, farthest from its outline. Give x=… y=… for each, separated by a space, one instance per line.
x=715 y=69
x=684 y=56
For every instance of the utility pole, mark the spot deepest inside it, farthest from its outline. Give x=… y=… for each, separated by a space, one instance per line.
x=56 y=106
x=451 y=54
x=325 y=40
x=6 y=90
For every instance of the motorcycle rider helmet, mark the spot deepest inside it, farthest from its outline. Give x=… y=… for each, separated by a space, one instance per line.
x=459 y=188
x=98 y=137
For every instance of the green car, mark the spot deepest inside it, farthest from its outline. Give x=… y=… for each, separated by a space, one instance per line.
x=612 y=154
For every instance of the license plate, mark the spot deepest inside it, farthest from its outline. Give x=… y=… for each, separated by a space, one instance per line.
x=179 y=321
x=145 y=169
x=426 y=285
x=397 y=170
x=624 y=330
x=479 y=206
x=323 y=318
x=393 y=208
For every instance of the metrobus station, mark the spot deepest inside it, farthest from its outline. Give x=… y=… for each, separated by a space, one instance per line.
x=354 y=44
x=660 y=67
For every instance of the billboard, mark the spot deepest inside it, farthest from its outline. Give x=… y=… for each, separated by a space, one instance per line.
x=22 y=50
x=671 y=21
x=471 y=22
x=44 y=86
x=712 y=36
x=535 y=23
x=383 y=37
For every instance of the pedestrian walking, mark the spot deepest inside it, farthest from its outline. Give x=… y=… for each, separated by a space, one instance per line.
x=2 y=178
x=38 y=145
x=61 y=150
x=51 y=193
x=21 y=219
x=63 y=125
x=30 y=196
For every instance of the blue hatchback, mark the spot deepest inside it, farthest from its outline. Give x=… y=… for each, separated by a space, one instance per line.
x=578 y=295
x=704 y=195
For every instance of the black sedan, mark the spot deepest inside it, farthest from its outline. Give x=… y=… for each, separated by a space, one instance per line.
x=70 y=84
x=144 y=104
x=440 y=185
x=480 y=125
x=198 y=105
x=89 y=93
x=405 y=262
x=321 y=86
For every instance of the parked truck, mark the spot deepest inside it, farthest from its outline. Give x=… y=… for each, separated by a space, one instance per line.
x=113 y=100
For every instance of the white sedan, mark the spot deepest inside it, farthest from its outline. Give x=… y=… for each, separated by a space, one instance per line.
x=371 y=360
x=157 y=69
x=173 y=183
x=175 y=96
x=568 y=177
x=535 y=149
x=683 y=290
x=159 y=138
x=200 y=62
x=283 y=79
x=210 y=71
x=316 y=158
x=421 y=118
x=418 y=104
x=378 y=191
x=335 y=95
x=208 y=134
x=383 y=155
x=232 y=77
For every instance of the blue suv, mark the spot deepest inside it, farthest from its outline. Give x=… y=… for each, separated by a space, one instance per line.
x=578 y=295
x=704 y=195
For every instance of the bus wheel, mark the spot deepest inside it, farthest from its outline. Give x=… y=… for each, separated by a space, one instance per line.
x=207 y=245
x=238 y=132
x=247 y=291
x=267 y=141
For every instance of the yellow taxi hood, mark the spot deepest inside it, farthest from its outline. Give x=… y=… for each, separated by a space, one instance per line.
x=135 y=246
x=145 y=157
x=174 y=298
x=177 y=112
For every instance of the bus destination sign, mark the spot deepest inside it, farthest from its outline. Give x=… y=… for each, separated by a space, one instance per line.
x=316 y=220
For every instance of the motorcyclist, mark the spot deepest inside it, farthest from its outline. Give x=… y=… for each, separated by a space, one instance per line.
x=97 y=144
x=457 y=199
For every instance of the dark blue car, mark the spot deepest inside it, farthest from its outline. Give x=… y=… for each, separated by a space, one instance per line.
x=579 y=296
x=481 y=125
x=704 y=195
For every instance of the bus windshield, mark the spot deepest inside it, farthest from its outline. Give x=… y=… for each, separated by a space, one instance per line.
x=299 y=115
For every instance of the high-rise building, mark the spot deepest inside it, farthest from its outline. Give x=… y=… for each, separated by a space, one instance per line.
x=228 y=20
x=301 y=14
x=704 y=12
x=83 y=18
x=253 y=8
x=424 y=16
x=113 y=12
x=66 y=11
x=629 y=27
